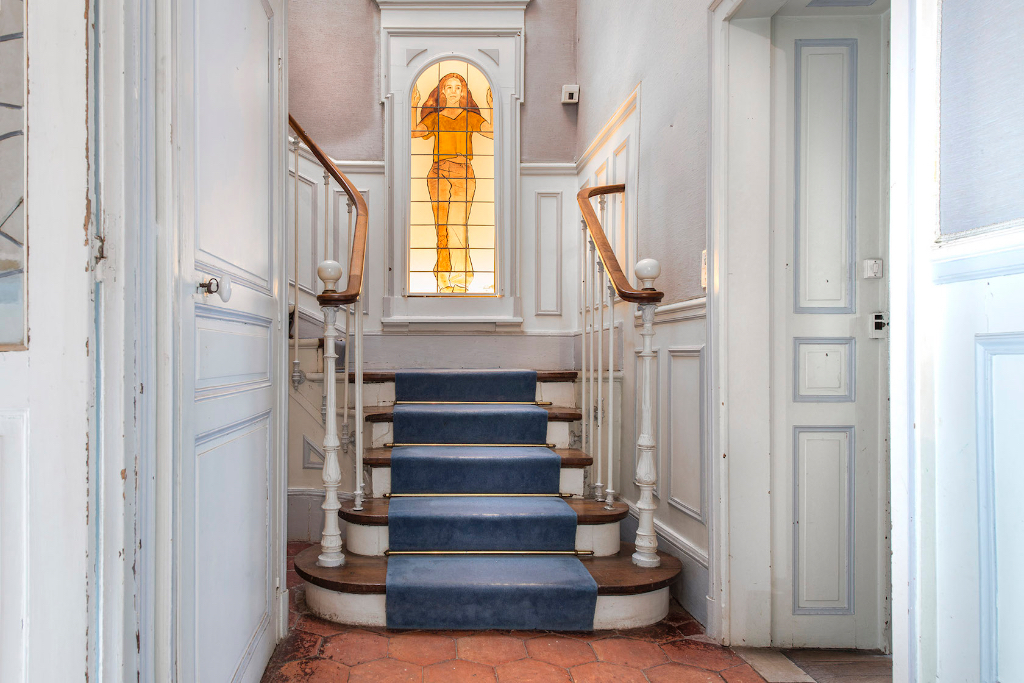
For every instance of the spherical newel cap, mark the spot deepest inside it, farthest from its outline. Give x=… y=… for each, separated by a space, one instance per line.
x=330 y=273
x=647 y=270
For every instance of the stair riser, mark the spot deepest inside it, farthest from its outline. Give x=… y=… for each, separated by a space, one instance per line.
x=381 y=433
x=383 y=393
x=570 y=481
x=613 y=611
x=602 y=539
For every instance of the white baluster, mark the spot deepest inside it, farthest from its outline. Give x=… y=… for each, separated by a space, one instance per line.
x=584 y=300
x=599 y=408
x=330 y=542
x=612 y=446
x=646 y=554
x=298 y=377
x=357 y=308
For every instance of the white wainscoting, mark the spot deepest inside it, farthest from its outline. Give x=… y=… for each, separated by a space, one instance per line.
x=685 y=452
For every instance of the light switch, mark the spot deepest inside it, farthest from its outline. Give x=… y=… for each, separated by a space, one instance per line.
x=873 y=269
x=570 y=94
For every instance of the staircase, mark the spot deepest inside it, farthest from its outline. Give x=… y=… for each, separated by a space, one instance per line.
x=489 y=529
x=477 y=516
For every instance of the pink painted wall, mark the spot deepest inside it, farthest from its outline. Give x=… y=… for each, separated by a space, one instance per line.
x=334 y=71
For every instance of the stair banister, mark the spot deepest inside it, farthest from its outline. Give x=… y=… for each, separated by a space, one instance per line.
x=646 y=298
x=330 y=300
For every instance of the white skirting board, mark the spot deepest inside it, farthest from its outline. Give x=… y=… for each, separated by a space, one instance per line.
x=613 y=611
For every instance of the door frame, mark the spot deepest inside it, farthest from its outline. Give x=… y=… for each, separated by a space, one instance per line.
x=739 y=321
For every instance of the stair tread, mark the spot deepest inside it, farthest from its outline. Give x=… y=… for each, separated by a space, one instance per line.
x=571 y=457
x=555 y=413
x=588 y=512
x=614 y=574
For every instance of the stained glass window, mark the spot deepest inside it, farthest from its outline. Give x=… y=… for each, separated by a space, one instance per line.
x=451 y=217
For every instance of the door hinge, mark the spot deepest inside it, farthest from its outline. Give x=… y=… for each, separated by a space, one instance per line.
x=98 y=246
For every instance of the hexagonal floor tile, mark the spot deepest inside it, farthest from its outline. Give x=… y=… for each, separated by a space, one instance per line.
x=311 y=671
x=560 y=651
x=386 y=671
x=531 y=671
x=702 y=655
x=680 y=673
x=421 y=648
x=603 y=672
x=458 y=671
x=355 y=647
x=491 y=649
x=638 y=654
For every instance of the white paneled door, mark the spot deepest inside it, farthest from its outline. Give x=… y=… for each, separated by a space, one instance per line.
x=829 y=393
x=230 y=142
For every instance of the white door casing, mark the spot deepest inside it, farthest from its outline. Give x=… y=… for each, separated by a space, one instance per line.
x=230 y=419
x=829 y=390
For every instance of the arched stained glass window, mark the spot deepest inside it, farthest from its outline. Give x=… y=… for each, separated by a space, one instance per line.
x=451 y=226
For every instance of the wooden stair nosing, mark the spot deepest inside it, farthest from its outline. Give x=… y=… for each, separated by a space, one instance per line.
x=571 y=457
x=614 y=574
x=555 y=413
x=588 y=512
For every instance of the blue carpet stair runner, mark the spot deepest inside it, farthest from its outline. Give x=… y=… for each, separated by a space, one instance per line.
x=552 y=592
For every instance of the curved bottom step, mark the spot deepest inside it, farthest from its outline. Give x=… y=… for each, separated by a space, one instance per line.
x=627 y=596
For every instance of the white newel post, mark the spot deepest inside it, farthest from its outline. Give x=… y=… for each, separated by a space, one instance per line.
x=646 y=554
x=330 y=542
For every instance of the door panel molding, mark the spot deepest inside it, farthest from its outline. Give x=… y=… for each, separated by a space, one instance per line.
x=808 y=170
x=842 y=603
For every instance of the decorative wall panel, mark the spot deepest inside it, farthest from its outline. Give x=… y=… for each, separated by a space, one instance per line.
x=235 y=352
x=685 y=452
x=548 y=262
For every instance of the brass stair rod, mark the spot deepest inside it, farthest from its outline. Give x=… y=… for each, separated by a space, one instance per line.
x=478 y=445
x=576 y=553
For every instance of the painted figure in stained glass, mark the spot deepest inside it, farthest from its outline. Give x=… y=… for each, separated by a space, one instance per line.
x=450 y=117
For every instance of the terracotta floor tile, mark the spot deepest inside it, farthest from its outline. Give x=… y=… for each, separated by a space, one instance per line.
x=703 y=655
x=662 y=632
x=386 y=671
x=311 y=671
x=293 y=618
x=321 y=627
x=691 y=628
x=680 y=673
x=560 y=651
x=458 y=671
x=741 y=674
x=297 y=645
x=491 y=649
x=296 y=547
x=603 y=672
x=297 y=600
x=355 y=647
x=532 y=671
x=292 y=579
x=627 y=652
x=421 y=648
x=677 y=615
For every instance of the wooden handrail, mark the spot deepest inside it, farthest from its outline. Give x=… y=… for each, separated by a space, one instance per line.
x=358 y=257
x=618 y=279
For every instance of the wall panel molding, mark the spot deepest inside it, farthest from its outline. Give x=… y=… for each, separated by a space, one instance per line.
x=14 y=530
x=684 y=420
x=221 y=375
x=548 y=238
